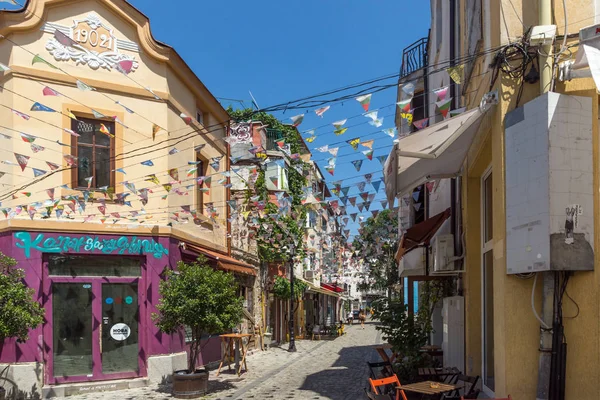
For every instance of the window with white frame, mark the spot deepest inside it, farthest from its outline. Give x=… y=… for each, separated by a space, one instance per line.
x=487 y=282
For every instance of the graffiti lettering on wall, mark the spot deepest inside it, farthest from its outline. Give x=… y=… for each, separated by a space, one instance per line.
x=77 y=244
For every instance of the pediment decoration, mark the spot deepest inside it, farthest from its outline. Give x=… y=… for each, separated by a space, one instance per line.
x=92 y=43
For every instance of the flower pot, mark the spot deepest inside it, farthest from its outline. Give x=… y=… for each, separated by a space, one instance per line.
x=190 y=386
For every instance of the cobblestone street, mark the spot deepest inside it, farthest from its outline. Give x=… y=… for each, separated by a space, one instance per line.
x=320 y=369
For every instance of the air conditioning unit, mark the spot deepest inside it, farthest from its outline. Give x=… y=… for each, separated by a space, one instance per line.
x=453 y=344
x=442 y=253
x=309 y=274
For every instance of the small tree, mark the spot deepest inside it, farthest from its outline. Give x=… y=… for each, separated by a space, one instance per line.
x=201 y=298
x=19 y=313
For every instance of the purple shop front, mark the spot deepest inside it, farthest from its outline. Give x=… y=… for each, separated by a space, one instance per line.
x=99 y=292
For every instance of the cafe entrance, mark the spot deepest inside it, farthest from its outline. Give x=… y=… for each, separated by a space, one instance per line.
x=93 y=330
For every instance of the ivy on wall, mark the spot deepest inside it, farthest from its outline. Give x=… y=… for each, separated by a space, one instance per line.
x=288 y=229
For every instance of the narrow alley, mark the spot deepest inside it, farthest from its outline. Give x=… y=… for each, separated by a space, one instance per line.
x=320 y=369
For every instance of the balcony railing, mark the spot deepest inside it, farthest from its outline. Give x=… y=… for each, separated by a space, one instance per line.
x=273 y=135
x=414 y=57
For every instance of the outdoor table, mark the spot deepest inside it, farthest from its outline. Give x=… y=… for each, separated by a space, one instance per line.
x=425 y=388
x=234 y=341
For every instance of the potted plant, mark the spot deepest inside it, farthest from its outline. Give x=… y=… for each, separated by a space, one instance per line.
x=204 y=301
x=19 y=312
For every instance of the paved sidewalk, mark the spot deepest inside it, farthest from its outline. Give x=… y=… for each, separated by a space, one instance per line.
x=325 y=369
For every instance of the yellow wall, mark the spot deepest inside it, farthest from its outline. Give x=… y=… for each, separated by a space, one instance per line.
x=516 y=331
x=160 y=69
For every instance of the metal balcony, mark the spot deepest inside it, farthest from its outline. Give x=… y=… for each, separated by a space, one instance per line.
x=414 y=57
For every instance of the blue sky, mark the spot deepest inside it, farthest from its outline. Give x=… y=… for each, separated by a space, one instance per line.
x=285 y=50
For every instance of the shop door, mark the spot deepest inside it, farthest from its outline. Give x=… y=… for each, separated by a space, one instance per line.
x=94 y=329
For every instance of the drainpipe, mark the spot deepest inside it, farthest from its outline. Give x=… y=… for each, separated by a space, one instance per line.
x=545 y=11
x=543 y=386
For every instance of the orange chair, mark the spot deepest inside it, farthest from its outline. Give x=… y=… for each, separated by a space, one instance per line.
x=504 y=398
x=391 y=380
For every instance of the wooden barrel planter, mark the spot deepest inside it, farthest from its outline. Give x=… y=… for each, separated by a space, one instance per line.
x=190 y=386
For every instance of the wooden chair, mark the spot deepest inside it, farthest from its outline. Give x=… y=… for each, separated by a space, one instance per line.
x=470 y=390
x=504 y=398
x=380 y=370
x=391 y=383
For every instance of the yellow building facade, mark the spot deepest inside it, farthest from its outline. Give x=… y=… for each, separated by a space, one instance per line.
x=516 y=332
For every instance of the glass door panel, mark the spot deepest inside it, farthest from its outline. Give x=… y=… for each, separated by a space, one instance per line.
x=119 y=344
x=72 y=329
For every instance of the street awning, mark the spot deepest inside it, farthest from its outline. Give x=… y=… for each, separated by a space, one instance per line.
x=420 y=234
x=333 y=288
x=432 y=153
x=316 y=289
x=224 y=262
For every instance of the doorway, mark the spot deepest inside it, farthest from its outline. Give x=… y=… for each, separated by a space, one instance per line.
x=93 y=330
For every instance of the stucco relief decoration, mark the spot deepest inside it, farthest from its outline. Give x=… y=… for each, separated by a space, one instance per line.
x=91 y=43
x=241 y=133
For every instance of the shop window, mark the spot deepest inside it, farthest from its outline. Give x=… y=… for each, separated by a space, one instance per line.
x=95 y=151
x=71 y=265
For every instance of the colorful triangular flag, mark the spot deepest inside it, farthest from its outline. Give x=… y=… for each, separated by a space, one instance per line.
x=404 y=105
x=441 y=93
x=368 y=144
x=22 y=160
x=83 y=86
x=357 y=164
x=40 y=107
x=368 y=154
x=297 y=119
x=38 y=59
x=354 y=143
x=49 y=92
x=422 y=123
x=444 y=106
x=456 y=73
x=321 y=111
x=365 y=101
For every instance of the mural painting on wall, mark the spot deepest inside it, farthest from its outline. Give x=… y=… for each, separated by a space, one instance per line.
x=90 y=42
x=130 y=245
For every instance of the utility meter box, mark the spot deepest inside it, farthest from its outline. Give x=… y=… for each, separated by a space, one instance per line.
x=549 y=185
